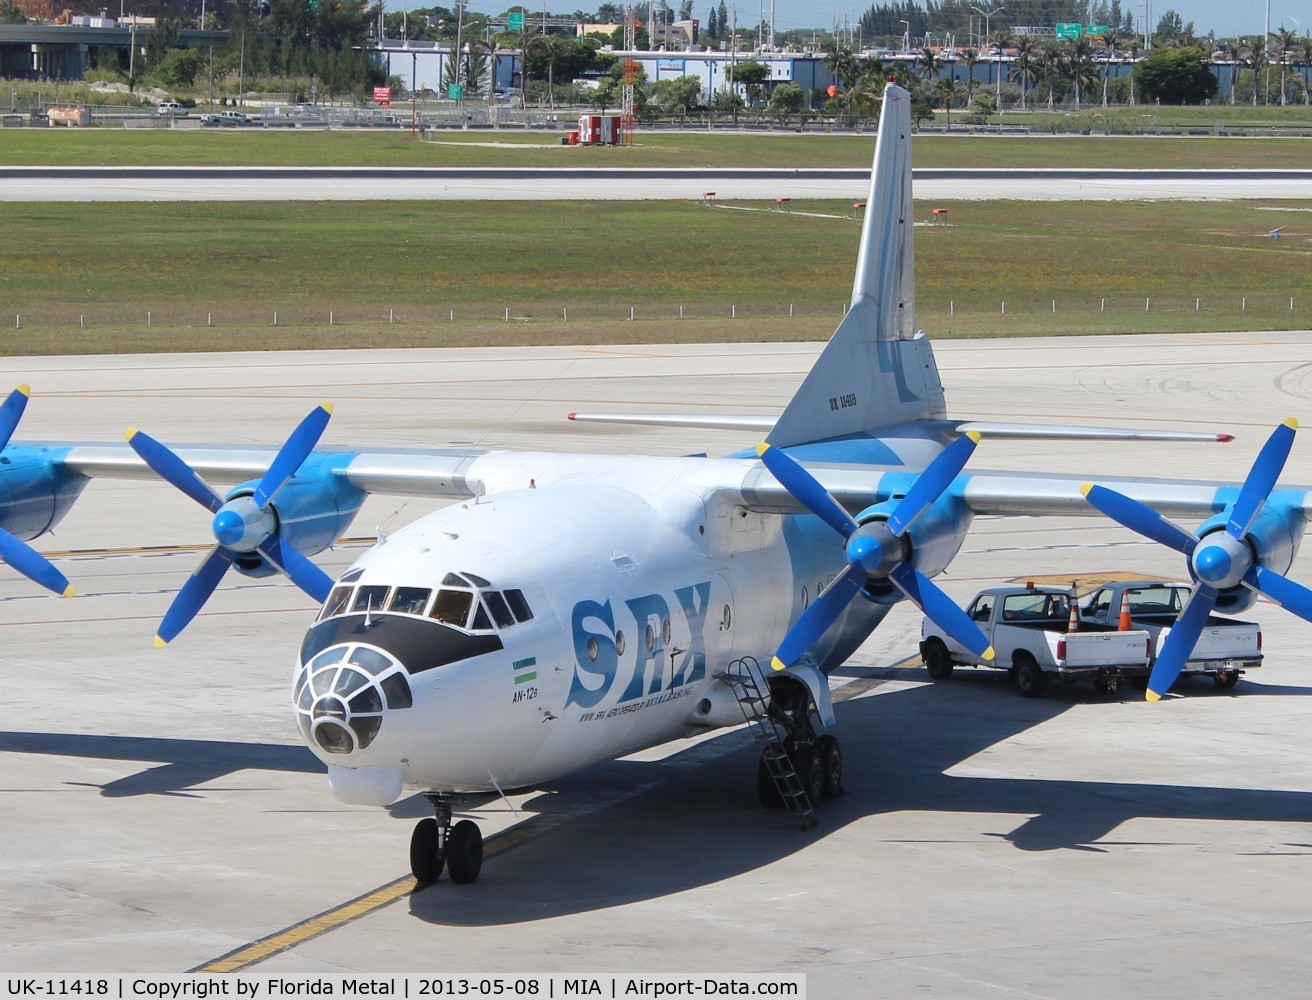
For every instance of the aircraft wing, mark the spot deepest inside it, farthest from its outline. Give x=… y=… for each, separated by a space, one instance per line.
x=764 y=423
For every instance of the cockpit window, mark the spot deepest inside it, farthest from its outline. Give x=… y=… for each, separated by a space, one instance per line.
x=409 y=600
x=372 y=660
x=337 y=602
x=477 y=581
x=518 y=606
x=497 y=605
x=352 y=576
x=452 y=606
x=451 y=580
x=481 y=621
x=371 y=598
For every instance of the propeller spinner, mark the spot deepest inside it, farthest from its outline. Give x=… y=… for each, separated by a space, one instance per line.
x=14 y=550
x=244 y=525
x=1218 y=560
x=875 y=551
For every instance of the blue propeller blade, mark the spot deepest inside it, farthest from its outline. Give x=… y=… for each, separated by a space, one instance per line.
x=11 y=411
x=193 y=595
x=818 y=617
x=32 y=564
x=1180 y=642
x=294 y=451
x=942 y=610
x=173 y=470
x=1139 y=517
x=1289 y=595
x=802 y=485
x=305 y=574
x=931 y=483
x=1268 y=465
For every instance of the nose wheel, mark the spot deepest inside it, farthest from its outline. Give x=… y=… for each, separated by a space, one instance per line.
x=436 y=844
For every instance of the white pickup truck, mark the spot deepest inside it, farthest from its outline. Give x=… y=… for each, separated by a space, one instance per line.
x=1028 y=629
x=1225 y=649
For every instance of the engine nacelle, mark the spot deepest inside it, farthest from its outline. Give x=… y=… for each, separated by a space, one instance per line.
x=931 y=543
x=1273 y=540
x=312 y=512
x=35 y=489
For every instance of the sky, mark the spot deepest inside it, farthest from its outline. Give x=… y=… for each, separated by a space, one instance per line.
x=1226 y=17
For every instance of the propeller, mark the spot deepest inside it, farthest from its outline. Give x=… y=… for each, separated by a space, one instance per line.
x=13 y=550
x=1218 y=560
x=875 y=551
x=243 y=525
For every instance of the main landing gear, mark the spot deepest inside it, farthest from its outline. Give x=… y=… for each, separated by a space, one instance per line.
x=436 y=843
x=816 y=759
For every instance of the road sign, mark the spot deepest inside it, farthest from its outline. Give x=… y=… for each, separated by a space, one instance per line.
x=515 y=20
x=1068 y=32
x=1098 y=29
x=382 y=95
x=454 y=91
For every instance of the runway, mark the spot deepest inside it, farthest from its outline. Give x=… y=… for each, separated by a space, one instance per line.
x=160 y=815
x=131 y=184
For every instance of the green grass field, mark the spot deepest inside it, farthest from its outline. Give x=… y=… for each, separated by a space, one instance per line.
x=117 y=147
x=84 y=278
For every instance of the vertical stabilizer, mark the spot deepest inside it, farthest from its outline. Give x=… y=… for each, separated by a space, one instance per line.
x=875 y=371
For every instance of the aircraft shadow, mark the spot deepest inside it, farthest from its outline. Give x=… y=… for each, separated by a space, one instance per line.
x=688 y=827
x=182 y=764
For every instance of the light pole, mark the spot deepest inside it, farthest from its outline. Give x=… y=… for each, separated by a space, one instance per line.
x=906 y=36
x=988 y=16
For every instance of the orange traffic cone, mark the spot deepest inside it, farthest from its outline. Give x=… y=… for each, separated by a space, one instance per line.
x=1074 y=624
x=1124 y=625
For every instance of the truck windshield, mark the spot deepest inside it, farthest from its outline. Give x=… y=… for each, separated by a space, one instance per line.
x=1157 y=600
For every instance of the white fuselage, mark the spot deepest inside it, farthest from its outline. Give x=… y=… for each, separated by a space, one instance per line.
x=640 y=587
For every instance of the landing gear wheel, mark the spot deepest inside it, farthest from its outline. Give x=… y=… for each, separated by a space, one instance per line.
x=426 y=859
x=937 y=661
x=766 y=790
x=810 y=772
x=464 y=852
x=1226 y=679
x=1027 y=676
x=831 y=765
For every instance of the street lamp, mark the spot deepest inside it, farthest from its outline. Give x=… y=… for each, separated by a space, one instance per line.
x=906 y=36
x=987 y=15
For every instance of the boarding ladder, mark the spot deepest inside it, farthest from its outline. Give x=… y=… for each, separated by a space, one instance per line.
x=746 y=679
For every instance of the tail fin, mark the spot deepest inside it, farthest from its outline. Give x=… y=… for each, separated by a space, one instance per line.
x=876 y=370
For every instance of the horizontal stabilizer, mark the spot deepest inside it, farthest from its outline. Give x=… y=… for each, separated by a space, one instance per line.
x=762 y=423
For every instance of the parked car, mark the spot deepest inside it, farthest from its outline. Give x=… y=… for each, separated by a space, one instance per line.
x=227 y=118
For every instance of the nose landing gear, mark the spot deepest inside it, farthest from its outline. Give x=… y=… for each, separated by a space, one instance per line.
x=436 y=843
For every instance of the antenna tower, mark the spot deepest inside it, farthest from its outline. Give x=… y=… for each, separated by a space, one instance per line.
x=630 y=72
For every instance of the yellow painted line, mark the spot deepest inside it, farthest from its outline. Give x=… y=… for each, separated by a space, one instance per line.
x=1084 y=582
x=136 y=550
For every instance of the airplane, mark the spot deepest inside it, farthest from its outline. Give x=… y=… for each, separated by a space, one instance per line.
x=567 y=609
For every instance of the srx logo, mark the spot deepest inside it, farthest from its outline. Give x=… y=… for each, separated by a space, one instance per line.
x=597 y=660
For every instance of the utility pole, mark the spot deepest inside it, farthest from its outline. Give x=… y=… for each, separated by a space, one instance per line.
x=460 y=25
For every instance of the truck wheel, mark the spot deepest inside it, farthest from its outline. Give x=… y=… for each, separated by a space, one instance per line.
x=1226 y=678
x=1027 y=676
x=937 y=661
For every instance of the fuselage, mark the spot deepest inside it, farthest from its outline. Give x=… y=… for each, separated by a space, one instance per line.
x=556 y=622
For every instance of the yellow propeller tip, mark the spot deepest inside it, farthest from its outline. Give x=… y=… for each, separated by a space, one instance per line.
x=68 y=591
x=989 y=653
x=762 y=448
x=327 y=406
x=974 y=436
x=160 y=643
x=129 y=434
x=1085 y=488
x=1152 y=695
x=25 y=389
x=778 y=664
x=1291 y=423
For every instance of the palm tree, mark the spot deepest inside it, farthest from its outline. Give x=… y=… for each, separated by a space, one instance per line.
x=1235 y=53
x=929 y=67
x=1257 y=59
x=1050 y=67
x=1001 y=39
x=945 y=92
x=1110 y=46
x=1022 y=68
x=1285 y=42
x=970 y=57
x=843 y=63
x=609 y=13
x=1080 y=67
